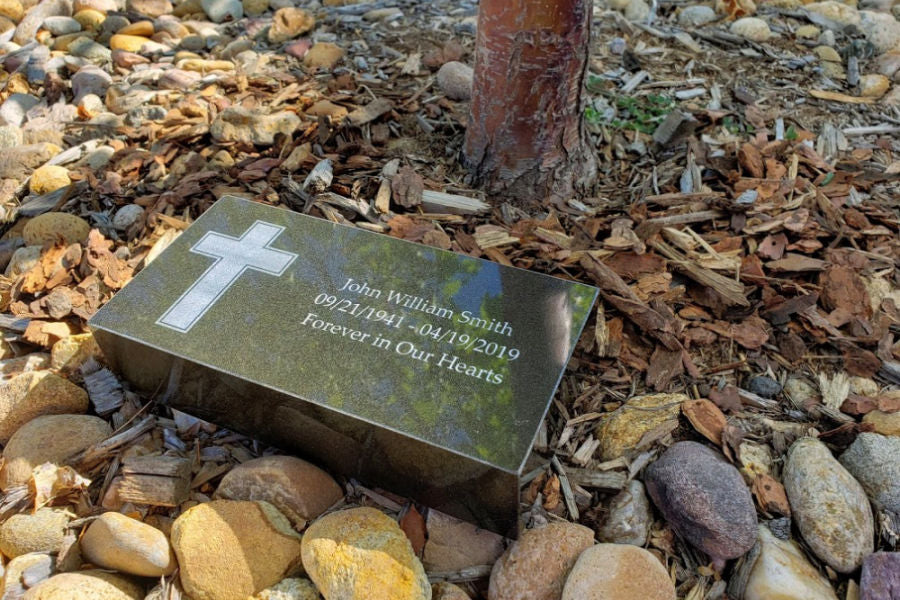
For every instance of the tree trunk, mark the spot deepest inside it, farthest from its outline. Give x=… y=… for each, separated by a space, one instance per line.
x=526 y=140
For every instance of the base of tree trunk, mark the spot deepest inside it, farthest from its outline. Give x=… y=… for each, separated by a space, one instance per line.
x=526 y=140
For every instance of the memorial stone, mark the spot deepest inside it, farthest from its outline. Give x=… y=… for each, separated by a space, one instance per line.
x=414 y=369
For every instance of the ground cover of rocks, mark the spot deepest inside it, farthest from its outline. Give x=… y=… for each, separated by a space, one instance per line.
x=728 y=426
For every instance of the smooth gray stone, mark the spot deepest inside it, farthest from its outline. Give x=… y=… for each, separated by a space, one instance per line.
x=874 y=460
x=829 y=506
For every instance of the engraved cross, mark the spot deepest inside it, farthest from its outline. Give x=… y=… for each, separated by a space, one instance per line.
x=232 y=257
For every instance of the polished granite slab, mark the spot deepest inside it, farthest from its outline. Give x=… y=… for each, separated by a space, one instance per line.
x=411 y=368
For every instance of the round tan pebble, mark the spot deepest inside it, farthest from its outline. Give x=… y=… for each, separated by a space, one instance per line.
x=290 y=22
x=254 y=8
x=323 y=55
x=618 y=572
x=52 y=439
x=290 y=589
x=103 y=6
x=873 y=85
x=141 y=28
x=34 y=394
x=49 y=227
x=48 y=179
x=90 y=19
x=362 y=554
x=42 y=531
x=128 y=43
x=447 y=591
x=536 y=566
x=883 y=423
x=300 y=490
x=123 y=544
x=253 y=547
x=12 y=10
x=86 y=585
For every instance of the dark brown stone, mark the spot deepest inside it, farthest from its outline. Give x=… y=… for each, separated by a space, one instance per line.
x=704 y=499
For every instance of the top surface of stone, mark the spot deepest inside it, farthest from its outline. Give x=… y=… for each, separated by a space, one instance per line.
x=455 y=351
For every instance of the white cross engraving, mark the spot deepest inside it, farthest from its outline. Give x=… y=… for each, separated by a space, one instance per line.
x=232 y=257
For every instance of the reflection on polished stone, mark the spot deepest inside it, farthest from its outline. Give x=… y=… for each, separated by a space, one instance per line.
x=412 y=368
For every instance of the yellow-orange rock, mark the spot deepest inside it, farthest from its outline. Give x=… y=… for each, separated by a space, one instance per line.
x=362 y=554
x=34 y=394
x=229 y=550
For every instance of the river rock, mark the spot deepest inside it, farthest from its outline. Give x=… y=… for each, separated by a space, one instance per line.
x=807 y=32
x=15 y=107
x=883 y=423
x=454 y=545
x=71 y=352
x=778 y=570
x=34 y=18
x=25 y=571
x=696 y=16
x=752 y=28
x=536 y=566
x=874 y=460
x=127 y=216
x=237 y=124
x=455 y=80
x=704 y=499
x=12 y=10
x=149 y=8
x=52 y=226
x=829 y=506
x=31 y=395
x=362 y=554
x=888 y=64
x=764 y=386
x=288 y=23
x=881 y=29
x=620 y=432
x=90 y=79
x=114 y=541
x=832 y=14
x=629 y=518
x=20 y=161
x=51 y=439
x=222 y=10
x=323 y=55
x=619 y=571
x=293 y=588
x=90 y=20
x=85 y=47
x=255 y=8
x=10 y=136
x=873 y=85
x=448 y=591
x=128 y=43
x=86 y=585
x=62 y=25
x=49 y=178
x=880 y=578
x=41 y=531
x=300 y=490
x=255 y=548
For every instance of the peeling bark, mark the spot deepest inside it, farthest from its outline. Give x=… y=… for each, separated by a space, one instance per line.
x=526 y=140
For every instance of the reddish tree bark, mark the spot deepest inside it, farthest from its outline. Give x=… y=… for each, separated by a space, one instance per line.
x=526 y=140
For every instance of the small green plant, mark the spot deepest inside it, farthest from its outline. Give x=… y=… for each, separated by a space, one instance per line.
x=638 y=113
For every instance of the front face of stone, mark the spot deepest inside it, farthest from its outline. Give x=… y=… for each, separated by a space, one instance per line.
x=348 y=329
